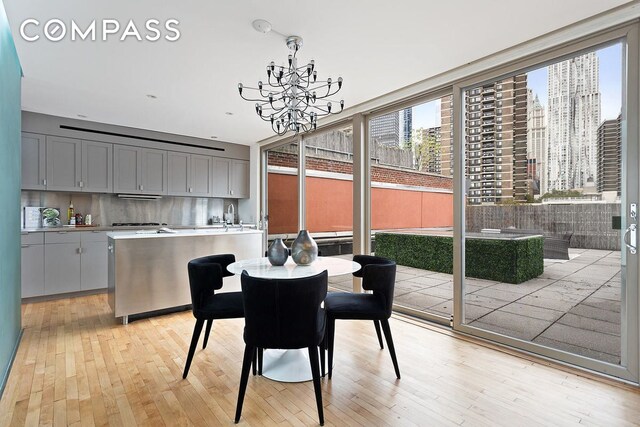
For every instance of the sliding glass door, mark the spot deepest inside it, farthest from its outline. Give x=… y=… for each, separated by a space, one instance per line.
x=550 y=182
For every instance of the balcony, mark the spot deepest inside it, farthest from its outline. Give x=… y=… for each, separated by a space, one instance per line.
x=490 y=106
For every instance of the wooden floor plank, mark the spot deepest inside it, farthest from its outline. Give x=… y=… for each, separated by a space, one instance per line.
x=77 y=366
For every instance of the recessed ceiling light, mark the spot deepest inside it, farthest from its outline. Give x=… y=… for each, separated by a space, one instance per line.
x=151 y=96
x=213 y=137
x=229 y=113
x=82 y=116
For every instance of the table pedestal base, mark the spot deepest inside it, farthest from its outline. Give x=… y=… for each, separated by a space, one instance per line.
x=289 y=366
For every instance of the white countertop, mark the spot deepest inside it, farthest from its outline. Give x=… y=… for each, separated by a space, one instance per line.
x=153 y=234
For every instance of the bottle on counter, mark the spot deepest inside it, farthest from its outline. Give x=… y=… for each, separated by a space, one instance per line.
x=88 y=220
x=79 y=219
x=71 y=214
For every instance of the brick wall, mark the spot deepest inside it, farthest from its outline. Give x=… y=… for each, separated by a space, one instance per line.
x=378 y=173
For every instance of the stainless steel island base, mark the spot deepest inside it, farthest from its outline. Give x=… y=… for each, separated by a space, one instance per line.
x=148 y=272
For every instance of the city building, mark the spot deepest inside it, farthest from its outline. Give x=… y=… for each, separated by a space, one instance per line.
x=429 y=154
x=536 y=142
x=609 y=156
x=573 y=119
x=392 y=129
x=496 y=141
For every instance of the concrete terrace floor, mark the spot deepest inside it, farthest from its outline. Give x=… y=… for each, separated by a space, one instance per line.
x=573 y=306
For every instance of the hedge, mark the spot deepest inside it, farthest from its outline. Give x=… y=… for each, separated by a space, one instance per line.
x=510 y=261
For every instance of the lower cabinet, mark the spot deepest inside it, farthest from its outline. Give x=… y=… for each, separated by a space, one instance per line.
x=93 y=264
x=32 y=265
x=61 y=268
x=61 y=262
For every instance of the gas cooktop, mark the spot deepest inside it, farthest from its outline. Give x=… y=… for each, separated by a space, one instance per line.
x=137 y=224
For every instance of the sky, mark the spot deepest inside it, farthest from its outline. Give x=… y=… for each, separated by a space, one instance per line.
x=428 y=115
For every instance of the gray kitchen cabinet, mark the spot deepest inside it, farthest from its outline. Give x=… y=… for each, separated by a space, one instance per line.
x=221 y=168
x=93 y=260
x=126 y=169
x=97 y=167
x=189 y=175
x=239 y=179
x=72 y=261
x=64 y=164
x=139 y=170
x=153 y=178
x=178 y=174
x=230 y=178
x=201 y=175
x=61 y=268
x=32 y=267
x=33 y=162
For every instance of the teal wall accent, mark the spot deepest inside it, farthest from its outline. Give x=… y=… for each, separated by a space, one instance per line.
x=10 y=175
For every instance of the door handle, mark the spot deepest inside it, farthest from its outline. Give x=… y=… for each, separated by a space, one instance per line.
x=632 y=245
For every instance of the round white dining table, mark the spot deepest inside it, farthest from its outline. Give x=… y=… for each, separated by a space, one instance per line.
x=290 y=365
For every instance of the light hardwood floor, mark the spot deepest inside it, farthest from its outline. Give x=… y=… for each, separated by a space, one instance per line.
x=77 y=366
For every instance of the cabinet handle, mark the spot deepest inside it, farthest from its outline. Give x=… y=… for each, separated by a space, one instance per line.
x=141 y=187
x=25 y=246
x=62 y=232
x=44 y=182
x=81 y=184
x=79 y=250
x=190 y=190
x=231 y=192
x=93 y=231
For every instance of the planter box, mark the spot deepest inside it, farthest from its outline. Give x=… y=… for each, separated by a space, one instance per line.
x=500 y=257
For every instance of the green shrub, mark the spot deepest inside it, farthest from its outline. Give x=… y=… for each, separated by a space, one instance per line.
x=510 y=261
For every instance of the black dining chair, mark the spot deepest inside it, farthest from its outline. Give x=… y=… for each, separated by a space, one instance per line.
x=205 y=278
x=378 y=275
x=283 y=314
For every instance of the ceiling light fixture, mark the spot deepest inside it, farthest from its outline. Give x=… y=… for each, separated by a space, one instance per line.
x=229 y=113
x=293 y=98
x=82 y=116
x=152 y=96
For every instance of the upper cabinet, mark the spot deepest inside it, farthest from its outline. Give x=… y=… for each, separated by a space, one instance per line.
x=34 y=162
x=64 y=167
x=97 y=167
x=190 y=175
x=231 y=178
x=239 y=177
x=139 y=170
x=66 y=164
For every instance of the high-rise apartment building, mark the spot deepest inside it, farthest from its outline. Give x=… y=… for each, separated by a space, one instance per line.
x=406 y=121
x=393 y=129
x=496 y=140
x=573 y=119
x=609 y=156
x=536 y=142
x=430 y=151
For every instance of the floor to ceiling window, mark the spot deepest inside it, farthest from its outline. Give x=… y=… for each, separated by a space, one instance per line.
x=509 y=202
x=412 y=200
x=545 y=208
x=328 y=165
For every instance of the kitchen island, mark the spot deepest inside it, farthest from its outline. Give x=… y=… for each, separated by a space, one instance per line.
x=148 y=270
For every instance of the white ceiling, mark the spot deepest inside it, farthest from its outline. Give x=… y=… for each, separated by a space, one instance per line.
x=376 y=46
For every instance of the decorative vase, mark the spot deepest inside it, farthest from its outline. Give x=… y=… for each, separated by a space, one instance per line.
x=304 y=249
x=277 y=252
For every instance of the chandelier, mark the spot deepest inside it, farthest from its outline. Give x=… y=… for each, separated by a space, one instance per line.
x=292 y=98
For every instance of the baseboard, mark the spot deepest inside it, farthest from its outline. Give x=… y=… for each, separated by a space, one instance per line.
x=5 y=376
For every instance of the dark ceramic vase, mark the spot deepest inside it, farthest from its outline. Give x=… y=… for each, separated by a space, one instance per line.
x=304 y=249
x=277 y=252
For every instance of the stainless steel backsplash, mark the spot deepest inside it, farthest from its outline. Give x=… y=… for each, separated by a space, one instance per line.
x=108 y=208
